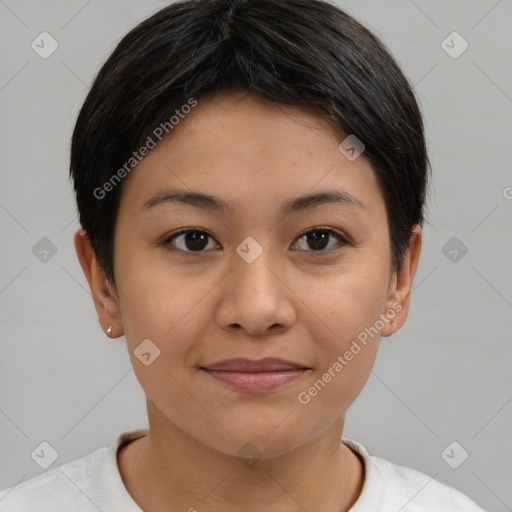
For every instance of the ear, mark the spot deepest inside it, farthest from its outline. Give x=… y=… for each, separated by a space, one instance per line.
x=401 y=284
x=105 y=300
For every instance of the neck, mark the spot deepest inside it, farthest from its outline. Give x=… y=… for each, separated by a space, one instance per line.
x=167 y=469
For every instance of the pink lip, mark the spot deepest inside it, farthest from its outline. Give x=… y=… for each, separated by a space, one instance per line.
x=255 y=376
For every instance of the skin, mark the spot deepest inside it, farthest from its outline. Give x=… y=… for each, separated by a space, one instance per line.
x=202 y=307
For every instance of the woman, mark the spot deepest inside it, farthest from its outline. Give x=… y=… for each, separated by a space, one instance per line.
x=250 y=178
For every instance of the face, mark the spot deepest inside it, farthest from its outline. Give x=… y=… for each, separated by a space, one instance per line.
x=253 y=279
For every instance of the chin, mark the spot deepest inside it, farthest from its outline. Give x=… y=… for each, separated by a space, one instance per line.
x=267 y=435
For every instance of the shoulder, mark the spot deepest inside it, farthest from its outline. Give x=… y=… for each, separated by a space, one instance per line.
x=422 y=492
x=90 y=483
x=58 y=489
x=389 y=486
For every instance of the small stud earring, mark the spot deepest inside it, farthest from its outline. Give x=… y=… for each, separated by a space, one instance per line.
x=109 y=330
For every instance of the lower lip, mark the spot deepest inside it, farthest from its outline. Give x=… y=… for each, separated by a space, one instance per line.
x=256 y=382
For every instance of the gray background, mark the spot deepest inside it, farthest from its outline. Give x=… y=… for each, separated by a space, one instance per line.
x=445 y=376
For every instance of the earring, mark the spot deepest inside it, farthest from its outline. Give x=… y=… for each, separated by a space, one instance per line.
x=109 y=330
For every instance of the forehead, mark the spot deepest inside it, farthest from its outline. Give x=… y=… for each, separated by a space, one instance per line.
x=244 y=149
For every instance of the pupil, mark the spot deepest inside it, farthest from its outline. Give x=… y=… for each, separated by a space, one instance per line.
x=195 y=240
x=319 y=241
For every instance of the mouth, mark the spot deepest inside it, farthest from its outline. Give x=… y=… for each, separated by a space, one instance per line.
x=251 y=376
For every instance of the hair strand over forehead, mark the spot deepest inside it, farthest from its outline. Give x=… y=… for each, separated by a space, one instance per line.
x=306 y=53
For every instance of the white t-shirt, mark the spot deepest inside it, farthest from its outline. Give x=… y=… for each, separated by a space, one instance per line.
x=93 y=483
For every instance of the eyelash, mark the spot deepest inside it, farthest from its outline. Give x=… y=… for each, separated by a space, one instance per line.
x=330 y=231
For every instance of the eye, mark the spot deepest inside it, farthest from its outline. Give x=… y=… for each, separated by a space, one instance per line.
x=191 y=240
x=318 y=239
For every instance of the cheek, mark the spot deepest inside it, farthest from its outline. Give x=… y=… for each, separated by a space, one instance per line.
x=347 y=336
x=356 y=299
x=172 y=311
x=345 y=359
x=159 y=298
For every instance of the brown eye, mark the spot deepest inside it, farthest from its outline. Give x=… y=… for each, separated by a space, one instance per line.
x=318 y=239
x=189 y=240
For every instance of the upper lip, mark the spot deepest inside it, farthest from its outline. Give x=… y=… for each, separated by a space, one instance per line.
x=240 y=364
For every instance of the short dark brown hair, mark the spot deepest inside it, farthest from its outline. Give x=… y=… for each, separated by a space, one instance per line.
x=307 y=53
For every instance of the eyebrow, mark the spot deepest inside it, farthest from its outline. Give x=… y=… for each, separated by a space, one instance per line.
x=209 y=202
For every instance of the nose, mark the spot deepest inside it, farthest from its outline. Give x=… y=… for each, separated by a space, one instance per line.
x=256 y=297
